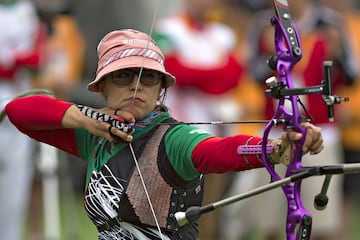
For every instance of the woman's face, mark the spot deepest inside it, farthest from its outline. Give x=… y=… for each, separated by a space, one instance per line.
x=123 y=91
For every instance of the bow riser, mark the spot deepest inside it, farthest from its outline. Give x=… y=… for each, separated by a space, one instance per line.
x=288 y=53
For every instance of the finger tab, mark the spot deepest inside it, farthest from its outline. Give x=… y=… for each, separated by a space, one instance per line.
x=118 y=118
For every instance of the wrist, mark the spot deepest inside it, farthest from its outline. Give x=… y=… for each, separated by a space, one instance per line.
x=73 y=118
x=281 y=153
x=275 y=155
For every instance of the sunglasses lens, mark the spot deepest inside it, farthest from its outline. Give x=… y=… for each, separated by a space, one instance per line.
x=122 y=77
x=126 y=76
x=150 y=78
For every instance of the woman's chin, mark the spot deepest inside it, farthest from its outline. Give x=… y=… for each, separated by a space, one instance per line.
x=139 y=115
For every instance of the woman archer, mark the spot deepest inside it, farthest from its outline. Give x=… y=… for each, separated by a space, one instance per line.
x=138 y=180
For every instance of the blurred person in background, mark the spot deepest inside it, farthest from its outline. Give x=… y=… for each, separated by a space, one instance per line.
x=322 y=38
x=61 y=73
x=22 y=40
x=350 y=114
x=65 y=48
x=201 y=54
x=250 y=102
x=204 y=78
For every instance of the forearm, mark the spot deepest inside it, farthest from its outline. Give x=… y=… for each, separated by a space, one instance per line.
x=227 y=157
x=224 y=156
x=41 y=117
x=38 y=112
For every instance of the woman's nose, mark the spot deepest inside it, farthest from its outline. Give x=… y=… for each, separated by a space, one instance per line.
x=135 y=83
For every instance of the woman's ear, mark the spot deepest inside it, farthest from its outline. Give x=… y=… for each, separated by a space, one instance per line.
x=162 y=95
x=162 y=88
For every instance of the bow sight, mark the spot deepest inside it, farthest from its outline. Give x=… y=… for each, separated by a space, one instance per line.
x=277 y=89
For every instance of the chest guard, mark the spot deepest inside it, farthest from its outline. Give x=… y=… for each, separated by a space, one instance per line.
x=168 y=192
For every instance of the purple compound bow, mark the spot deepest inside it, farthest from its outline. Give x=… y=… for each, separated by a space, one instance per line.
x=288 y=53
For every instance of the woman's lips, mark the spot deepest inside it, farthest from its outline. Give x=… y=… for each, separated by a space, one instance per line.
x=135 y=99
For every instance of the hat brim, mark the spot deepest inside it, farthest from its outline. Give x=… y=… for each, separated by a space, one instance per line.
x=131 y=62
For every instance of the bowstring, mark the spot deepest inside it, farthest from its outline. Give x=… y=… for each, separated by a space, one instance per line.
x=131 y=108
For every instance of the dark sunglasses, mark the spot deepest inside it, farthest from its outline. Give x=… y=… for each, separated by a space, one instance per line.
x=126 y=76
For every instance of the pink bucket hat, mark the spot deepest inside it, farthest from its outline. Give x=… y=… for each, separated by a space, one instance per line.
x=127 y=49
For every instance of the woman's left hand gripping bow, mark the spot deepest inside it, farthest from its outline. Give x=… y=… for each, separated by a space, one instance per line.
x=283 y=147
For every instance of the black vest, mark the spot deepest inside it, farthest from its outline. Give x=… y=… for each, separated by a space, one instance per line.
x=168 y=192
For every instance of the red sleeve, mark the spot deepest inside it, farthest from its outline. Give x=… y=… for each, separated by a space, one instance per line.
x=210 y=80
x=224 y=157
x=40 y=118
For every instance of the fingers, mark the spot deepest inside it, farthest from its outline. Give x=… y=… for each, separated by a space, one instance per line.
x=123 y=116
x=117 y=135
x=308 y=140
x=313 y=142
x=105 y=130
x=100 y=122
x=291 y=136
